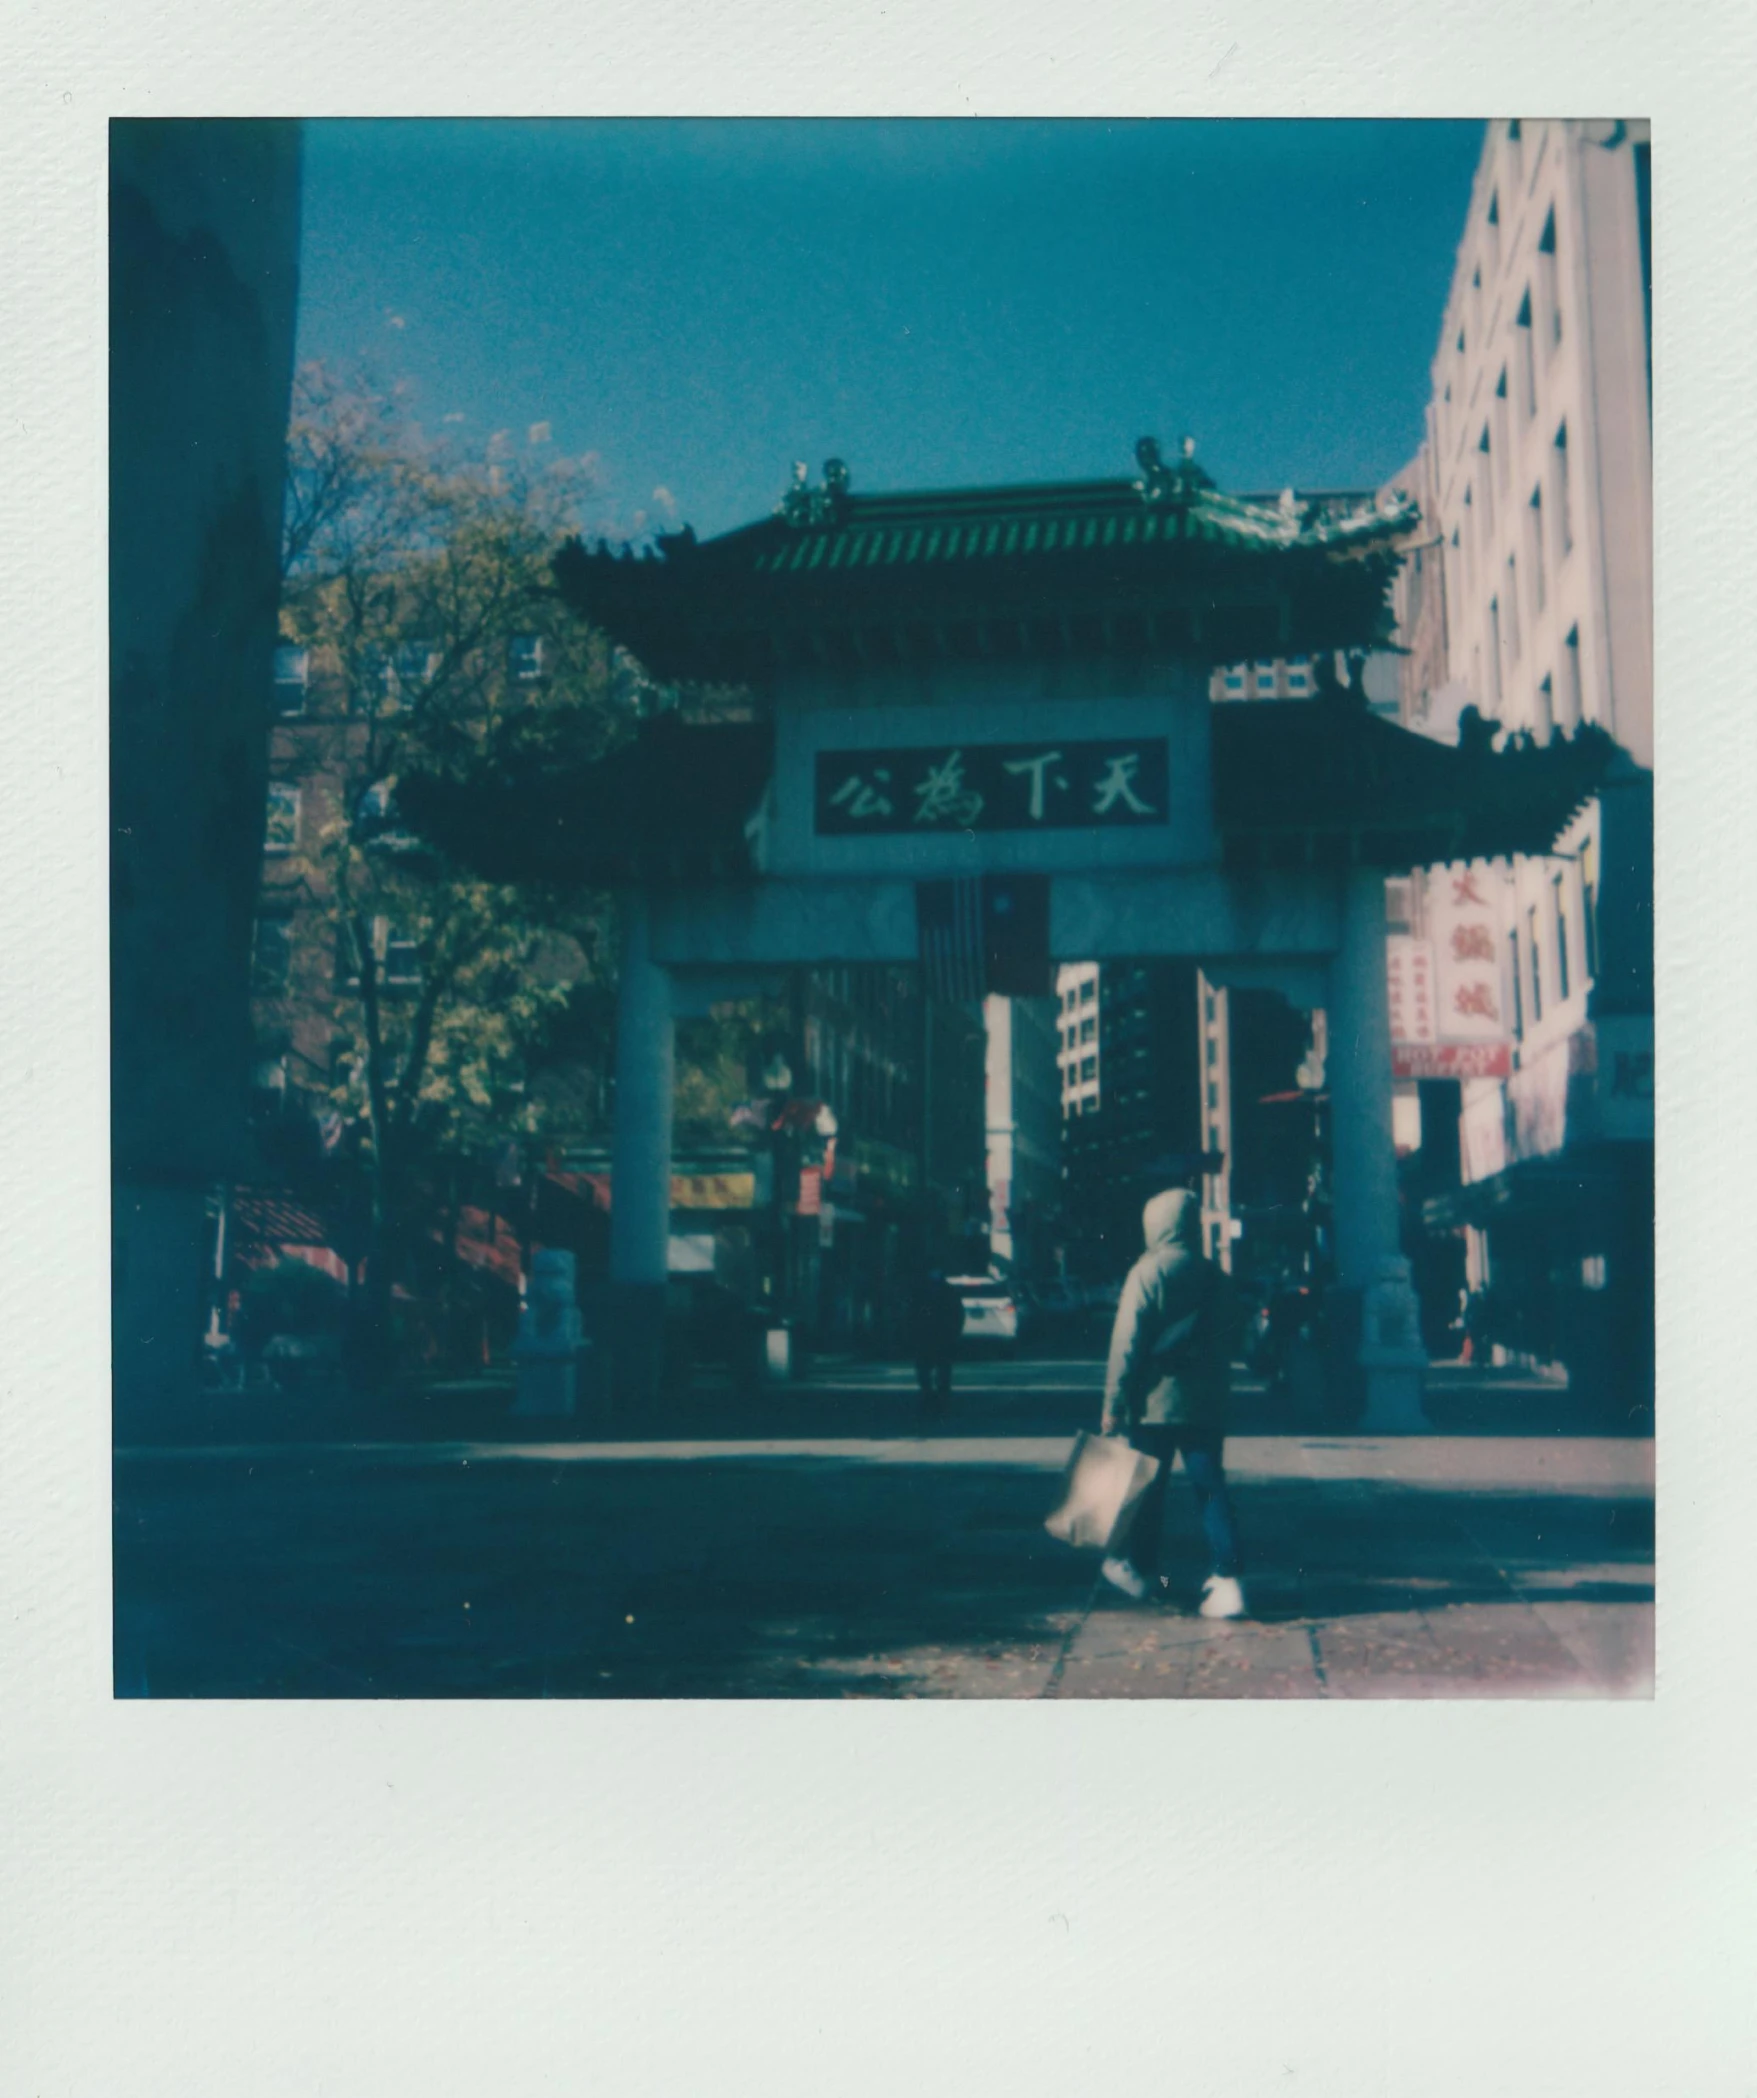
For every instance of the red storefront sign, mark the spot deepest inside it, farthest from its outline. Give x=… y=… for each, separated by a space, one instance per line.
x=1451 y=1059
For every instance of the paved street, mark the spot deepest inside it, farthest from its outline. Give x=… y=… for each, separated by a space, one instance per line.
x=818 y=1543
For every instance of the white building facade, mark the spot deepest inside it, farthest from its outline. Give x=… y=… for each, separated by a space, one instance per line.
x=1024 y=1117
x=1531 y=600
x=1076 y=987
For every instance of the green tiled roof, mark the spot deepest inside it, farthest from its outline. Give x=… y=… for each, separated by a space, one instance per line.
x=1166 y=561
x=1008 y=524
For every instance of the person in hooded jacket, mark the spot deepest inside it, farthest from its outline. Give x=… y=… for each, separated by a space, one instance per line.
x=1166 y=1387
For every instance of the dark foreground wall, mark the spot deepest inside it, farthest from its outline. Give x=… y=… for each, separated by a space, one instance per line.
x=204 y=227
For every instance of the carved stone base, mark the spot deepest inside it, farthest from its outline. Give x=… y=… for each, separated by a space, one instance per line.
x=1392 y=1359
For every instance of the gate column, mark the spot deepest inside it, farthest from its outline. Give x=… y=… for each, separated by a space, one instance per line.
x=640 y=1158
x=1369 y=1260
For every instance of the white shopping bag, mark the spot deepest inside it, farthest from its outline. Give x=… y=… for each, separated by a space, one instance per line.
x=1104 y=1479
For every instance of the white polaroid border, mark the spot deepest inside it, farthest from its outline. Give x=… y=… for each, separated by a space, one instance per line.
x=387 y=1898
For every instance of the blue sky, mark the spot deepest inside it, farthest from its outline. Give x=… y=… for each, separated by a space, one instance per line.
x=695 y=304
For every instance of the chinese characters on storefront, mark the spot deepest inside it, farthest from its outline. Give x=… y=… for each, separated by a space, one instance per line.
x=1445 y=990
x=1409 y=968
x=993 y=787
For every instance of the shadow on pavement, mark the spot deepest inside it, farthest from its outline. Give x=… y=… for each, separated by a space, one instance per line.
x=285 y=1573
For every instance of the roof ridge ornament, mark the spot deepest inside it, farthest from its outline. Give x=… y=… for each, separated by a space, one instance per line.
x=803 y=505
x=1161 y=483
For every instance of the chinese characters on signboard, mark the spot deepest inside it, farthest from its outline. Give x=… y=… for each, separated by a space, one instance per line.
x=1446 y=992
x=1409 y=969
x=993 y=786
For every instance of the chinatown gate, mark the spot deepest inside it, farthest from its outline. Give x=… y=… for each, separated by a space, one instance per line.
x=949 y=687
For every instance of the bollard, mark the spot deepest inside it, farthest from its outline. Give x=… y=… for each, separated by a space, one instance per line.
x=550 y=1334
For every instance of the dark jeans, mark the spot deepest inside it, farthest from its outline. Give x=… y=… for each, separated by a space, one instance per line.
x=934 y=1374
x=1200 y=1449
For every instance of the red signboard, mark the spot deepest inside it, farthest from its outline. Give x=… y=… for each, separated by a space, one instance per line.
x=1451 y=1059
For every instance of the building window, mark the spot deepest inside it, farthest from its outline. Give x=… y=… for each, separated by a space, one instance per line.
x=1544 y=712
x=282 y=833
x=1518 y=994
x=1263 y=680
x=1494 y=233
x=1512 y=610
x=268 y=1086
x=1515 y=151
x=1534 y=548
x=1469 y=544
x=525 y=658
x=412 y=669
x=1536 y=966
x=1548 y=284
x=1088 y=1030
x=1494 y=652
x=1526 y=355
x=1589 y=906
x=1561 y=937
x=1564 y=517
x=1574 y=694
x=1503 y=442
x=401 y=959
x=1088 y=1069
x=1232 y=682
x=292 y=678
x=1300 y=682
x=271 y=955
x=1488 y=488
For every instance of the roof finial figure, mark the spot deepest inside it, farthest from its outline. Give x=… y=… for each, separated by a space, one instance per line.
x=805 y=505
x=1159 y=482
x=795 y=505
x=1157 y=479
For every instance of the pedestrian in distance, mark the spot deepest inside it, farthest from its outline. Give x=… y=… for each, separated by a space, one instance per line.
x=1167 y=1386
x=936 y=1321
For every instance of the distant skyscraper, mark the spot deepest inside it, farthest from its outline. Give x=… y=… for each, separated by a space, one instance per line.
x=1024 y=1093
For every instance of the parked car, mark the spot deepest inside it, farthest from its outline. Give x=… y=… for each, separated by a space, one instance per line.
x=1059 y=1300
x=990 y=1311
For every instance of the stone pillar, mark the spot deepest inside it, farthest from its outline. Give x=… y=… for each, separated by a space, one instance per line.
x=1371 y=1274
x=204 y=267
x=640 y=1161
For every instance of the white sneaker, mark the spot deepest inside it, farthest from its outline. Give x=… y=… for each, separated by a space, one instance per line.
x=1120 y=1574
x=1222 y=1597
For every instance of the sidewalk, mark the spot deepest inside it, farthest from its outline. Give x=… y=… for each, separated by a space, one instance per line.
x=841 y=1395
x=841 y=1564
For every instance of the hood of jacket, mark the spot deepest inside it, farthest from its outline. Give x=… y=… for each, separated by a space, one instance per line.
x=1173 y=1219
